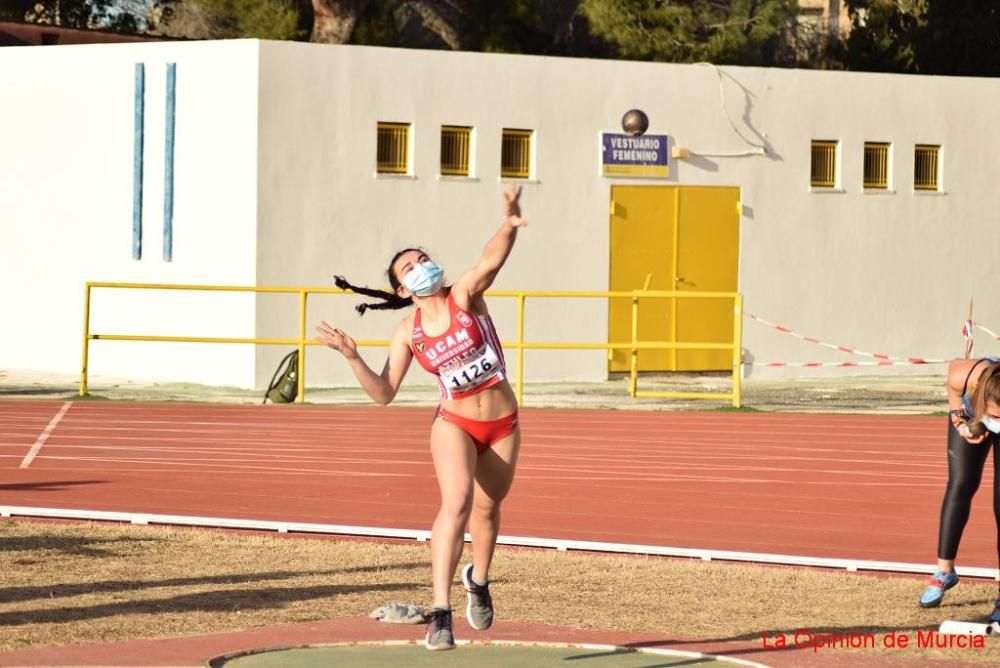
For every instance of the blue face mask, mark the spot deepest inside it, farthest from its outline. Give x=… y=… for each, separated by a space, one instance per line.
x=991 y=424
x=424 y=279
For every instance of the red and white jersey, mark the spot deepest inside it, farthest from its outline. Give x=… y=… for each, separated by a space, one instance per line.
x=466 y=358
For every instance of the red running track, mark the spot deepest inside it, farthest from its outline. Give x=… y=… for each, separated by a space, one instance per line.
x=847 y=486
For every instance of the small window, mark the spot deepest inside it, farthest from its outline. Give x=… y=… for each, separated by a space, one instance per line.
x=876 y=165
x=824 y=164
x=456 y=142
x=926 y=167
x=515 y=154
x=393 y=148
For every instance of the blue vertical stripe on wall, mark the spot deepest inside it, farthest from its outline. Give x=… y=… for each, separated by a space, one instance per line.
x=168 y=169
x=140 y=87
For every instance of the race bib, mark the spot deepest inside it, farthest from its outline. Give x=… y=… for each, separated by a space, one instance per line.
x=472 y=374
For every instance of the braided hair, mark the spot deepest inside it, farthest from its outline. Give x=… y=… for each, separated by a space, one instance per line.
x=390 y=300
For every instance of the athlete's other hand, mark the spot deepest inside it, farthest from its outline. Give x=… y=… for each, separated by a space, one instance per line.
x=963 y=431
x=336 y=339
x=512 y=207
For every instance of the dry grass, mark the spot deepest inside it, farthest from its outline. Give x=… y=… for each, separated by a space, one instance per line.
x=88 y=583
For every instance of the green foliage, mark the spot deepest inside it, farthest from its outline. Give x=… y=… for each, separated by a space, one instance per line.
x=883 y=35
x=117 y=15
x=262 y=19
x=951 y=37
x=546 y=27
x=747 y=32
x=378 y=26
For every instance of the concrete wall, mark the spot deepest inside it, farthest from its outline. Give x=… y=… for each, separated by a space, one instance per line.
x=878 y=271
x=325 y=211
x=66 y=132
x=276 y=185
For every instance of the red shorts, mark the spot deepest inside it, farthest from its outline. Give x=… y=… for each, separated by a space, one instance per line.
x=484 y=433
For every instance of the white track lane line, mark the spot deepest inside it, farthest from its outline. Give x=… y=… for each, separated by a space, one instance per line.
x=44 y=436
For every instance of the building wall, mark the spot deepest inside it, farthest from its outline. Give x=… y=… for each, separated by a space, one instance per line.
x=66 y=128
x=324 y=211
x=276 y=185
x=877 y=271
x=831 y=15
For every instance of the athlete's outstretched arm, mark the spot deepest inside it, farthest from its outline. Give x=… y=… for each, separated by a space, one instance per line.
x=382 y=388
x=958 y=372
x=476 y=281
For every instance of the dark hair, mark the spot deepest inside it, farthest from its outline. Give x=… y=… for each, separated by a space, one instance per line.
x=390 y=300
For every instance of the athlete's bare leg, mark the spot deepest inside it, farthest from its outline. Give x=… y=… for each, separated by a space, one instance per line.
x=494 y=475
x=454 y=456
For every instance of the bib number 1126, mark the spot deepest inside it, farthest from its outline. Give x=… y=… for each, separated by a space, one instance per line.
x=476 y=372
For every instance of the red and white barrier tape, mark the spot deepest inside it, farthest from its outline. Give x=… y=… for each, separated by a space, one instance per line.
x=882 y=359
x=968 y=326
x=814 y=364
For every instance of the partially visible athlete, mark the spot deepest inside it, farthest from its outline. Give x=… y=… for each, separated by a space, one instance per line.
x=974 y=414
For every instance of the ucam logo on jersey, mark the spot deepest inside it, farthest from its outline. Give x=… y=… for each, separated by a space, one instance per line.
x=464 y=319
x=450 y=345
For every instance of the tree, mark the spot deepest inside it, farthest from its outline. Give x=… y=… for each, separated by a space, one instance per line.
x=334 y=20
x=951 y=37
x=747 y=32
x=883 y=35
x=513 y=26
x=128 y=16
x=960 y=37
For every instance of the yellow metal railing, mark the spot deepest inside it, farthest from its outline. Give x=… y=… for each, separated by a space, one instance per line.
x=520 y=345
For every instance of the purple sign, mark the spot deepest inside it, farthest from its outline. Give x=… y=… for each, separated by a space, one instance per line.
x=628 y=155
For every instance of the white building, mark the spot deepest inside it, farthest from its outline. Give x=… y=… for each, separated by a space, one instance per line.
x=275 y=182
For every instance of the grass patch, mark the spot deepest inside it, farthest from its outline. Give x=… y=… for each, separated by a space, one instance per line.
x=86 y=397
x=65 y=584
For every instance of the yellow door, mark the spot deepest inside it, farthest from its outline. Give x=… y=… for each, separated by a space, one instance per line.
x=642 y=249
x=708 y=257
x=676 y=238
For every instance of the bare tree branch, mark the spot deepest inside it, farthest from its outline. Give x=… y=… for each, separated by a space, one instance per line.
x=334 y=20
x=445 y=18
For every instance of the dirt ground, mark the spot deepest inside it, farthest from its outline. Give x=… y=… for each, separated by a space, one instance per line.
x=895 y=394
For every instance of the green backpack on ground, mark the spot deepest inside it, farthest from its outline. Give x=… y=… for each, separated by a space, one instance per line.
x=284 y=385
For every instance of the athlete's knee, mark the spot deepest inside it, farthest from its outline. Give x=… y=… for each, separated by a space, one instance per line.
x=486 y=507
x=456 y=506
x=962 y=486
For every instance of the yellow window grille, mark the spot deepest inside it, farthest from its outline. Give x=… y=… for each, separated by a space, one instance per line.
x=455 y=147
x=925 y=167
x=515 y=154
x=876 y=165
x=824 y=164
x=393 y=151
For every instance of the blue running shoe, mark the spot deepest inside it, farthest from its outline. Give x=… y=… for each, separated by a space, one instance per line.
x=939 y=583
x=995 y=617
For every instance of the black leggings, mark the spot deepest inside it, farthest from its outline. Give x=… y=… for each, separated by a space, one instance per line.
x=965 y=470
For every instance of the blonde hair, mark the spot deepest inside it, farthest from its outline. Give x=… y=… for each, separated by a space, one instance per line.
x=987 y=389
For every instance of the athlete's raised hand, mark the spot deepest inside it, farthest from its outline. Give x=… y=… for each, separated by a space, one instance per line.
x=336 y=339
x=512 y=206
